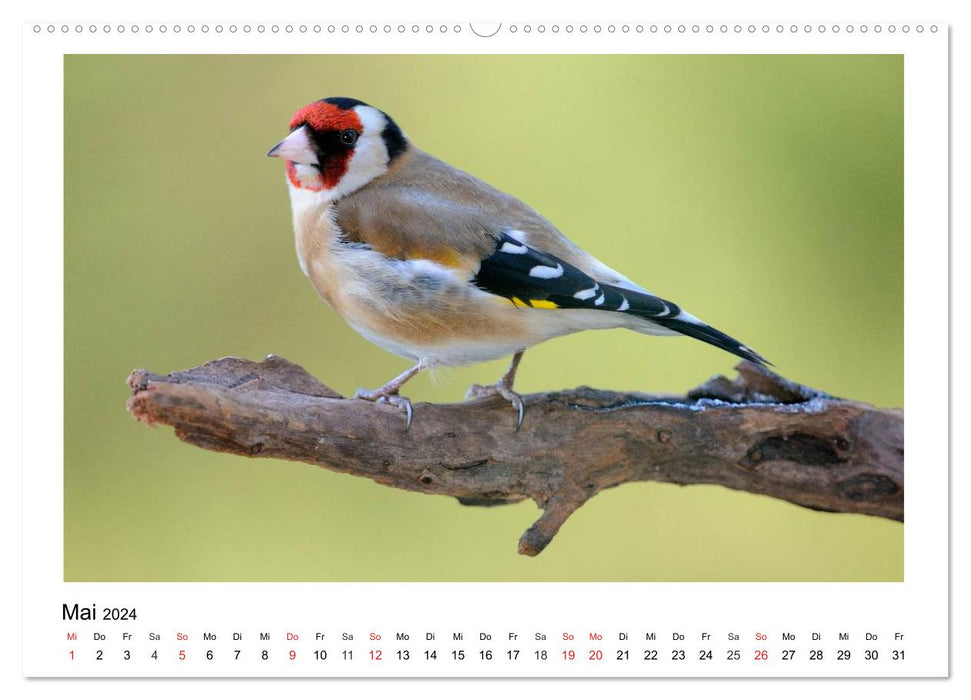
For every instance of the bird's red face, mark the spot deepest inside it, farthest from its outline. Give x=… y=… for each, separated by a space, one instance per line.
x=323 y=116
x=322 y=135
x=338 y=140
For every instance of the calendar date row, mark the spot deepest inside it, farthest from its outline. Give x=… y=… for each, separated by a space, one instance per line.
x=460 y=655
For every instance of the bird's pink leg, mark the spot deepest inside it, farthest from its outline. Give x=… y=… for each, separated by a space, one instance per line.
x=503 y=388
x=389 y=393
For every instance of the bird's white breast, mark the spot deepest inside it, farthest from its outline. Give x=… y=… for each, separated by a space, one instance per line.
x=314 y=223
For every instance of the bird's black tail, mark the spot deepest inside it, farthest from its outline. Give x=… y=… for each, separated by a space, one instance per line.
x=710 y=335
x=669 y=315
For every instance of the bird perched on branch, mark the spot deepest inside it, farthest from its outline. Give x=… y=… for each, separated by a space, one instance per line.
x=439 y=267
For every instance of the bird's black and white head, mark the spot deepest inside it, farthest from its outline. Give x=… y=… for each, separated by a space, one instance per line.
x=337 y=145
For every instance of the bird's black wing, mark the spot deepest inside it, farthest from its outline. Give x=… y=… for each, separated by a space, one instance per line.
x=529 y=277
x=532 y=278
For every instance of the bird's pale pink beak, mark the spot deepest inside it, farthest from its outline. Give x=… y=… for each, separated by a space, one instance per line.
x=296 y=147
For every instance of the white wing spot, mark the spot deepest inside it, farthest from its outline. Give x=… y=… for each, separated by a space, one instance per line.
x=516 y=235
x=508 y=247
x=585 y=294
x=624 y=305
x=599 y=300
x=546 y=272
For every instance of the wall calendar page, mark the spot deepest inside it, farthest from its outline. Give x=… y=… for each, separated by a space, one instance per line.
x=448 y=349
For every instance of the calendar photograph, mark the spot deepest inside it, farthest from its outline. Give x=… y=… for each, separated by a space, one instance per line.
x=391 y=317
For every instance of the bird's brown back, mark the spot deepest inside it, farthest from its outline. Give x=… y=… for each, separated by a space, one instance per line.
x=423 y=208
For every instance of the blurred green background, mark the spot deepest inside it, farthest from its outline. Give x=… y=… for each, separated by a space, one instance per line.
x=763 y=193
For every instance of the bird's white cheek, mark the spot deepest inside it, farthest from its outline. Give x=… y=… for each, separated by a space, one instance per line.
x=370 y=160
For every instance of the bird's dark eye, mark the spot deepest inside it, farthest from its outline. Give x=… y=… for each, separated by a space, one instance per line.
x=348 y=137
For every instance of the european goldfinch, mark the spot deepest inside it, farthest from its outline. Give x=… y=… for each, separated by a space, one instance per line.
x=437 y=266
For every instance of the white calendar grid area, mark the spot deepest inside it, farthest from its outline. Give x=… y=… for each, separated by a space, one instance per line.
x=917 y=608
x=498 y=610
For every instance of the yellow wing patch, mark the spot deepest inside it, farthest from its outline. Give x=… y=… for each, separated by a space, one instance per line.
x=534 y=303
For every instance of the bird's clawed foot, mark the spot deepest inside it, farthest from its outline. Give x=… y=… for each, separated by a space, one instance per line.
x=503 y=388
x=389 y=392
x=391 y=397
x=500 y=388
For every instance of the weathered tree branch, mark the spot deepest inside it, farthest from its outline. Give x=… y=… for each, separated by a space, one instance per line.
x=758 y=433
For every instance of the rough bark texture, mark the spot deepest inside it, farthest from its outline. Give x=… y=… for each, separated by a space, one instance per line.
x=758 y=433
